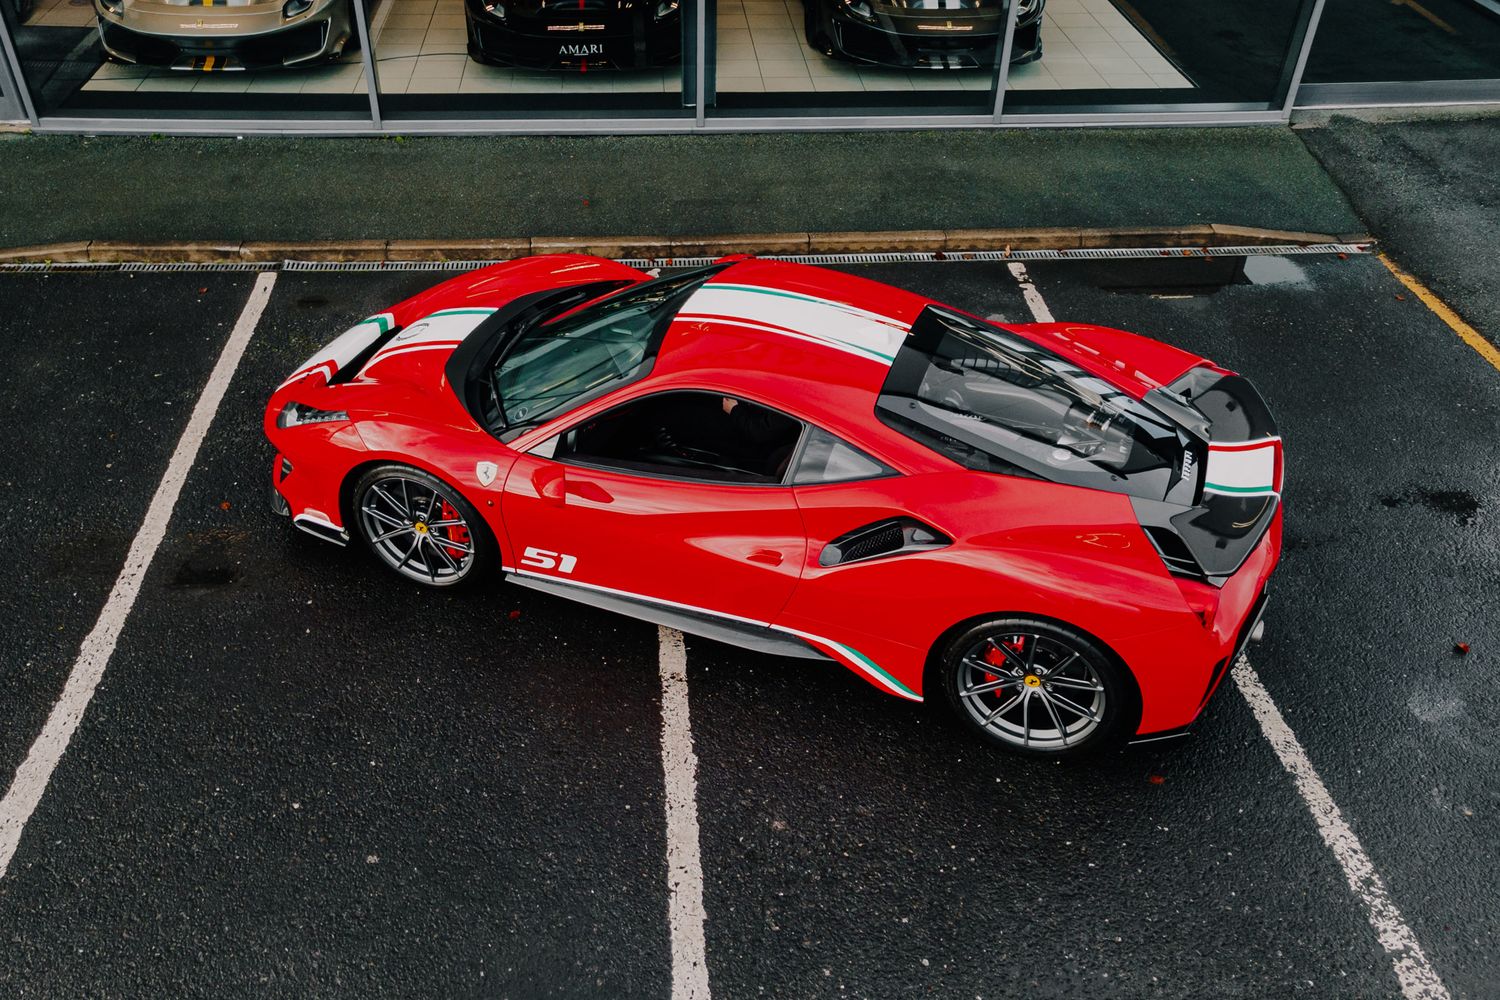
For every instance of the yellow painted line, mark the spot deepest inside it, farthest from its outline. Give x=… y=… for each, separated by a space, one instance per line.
x=1455 y=322
x=1424 y=12
x=208 y=64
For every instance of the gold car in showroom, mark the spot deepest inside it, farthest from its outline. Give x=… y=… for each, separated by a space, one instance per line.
x=214 y=35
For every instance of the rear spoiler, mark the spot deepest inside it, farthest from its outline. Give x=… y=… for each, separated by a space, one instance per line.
x=1231 y=478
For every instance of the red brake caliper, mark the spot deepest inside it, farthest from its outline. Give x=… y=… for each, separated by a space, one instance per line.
x=454 y=532
x=995 y=658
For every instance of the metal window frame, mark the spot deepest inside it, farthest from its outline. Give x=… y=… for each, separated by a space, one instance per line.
x=17 y=93
x=1295 y=96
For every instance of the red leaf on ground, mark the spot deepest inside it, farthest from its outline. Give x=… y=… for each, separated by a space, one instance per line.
x=1461 y=648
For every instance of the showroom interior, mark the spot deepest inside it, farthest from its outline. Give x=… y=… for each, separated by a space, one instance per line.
x=618 y=66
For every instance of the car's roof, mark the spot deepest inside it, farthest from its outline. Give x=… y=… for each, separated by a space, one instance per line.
x=802 y=323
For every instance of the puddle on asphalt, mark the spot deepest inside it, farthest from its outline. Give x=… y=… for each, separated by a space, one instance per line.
x=1457 y=503
x=1273 y=271
x=1189 y=276
x=195 y=574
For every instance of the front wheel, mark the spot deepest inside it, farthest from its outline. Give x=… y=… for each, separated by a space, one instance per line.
x=420 y=527
x=1037 y=688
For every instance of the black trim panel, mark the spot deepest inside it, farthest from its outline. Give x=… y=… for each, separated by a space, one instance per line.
x=700 y=623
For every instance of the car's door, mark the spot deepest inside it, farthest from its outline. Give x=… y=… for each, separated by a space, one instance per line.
x=658 y=499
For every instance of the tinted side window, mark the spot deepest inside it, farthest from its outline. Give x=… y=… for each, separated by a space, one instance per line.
x=826 y=459
x=687 y=435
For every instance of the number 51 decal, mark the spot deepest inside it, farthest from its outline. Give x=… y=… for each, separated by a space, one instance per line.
x=545 y=559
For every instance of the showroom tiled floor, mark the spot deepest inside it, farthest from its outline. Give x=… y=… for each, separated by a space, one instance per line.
x=420 y=49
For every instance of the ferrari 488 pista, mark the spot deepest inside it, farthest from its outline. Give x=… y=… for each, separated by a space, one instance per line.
x=1064 y=531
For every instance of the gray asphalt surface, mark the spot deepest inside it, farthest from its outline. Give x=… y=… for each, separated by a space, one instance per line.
x=302 y=777
x=1429 y=188
x=328 y=188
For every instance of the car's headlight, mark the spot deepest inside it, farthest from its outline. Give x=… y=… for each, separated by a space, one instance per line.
x=297 y=414
x=1026 y=8
x=666 y=8
x=860 y=9
x=295 y=7
x=495 y=8
x=115 y=7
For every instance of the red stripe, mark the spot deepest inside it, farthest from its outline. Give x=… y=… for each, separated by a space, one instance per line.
x=1248 y=446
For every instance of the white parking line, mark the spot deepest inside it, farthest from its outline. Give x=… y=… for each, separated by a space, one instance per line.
x=1034 y=300
x=1419 y=981
x=684 y=862
x=93 y=656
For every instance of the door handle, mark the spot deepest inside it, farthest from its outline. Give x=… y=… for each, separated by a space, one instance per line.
x=550 y=485
x=766 y=557
x=586 y=489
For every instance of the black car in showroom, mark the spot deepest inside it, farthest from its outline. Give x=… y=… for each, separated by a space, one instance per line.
x=578 y=35
x=922 y=34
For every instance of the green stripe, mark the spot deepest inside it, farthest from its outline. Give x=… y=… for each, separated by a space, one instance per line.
x=862 y=348
x=1237 y=489
x=462 y=312
x=862 y=658
x=380 y=321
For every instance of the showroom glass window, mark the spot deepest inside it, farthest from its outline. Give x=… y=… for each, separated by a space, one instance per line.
x=837 y=58
x=479 y=59
x=190 y=58
x=1145 y=55
x=1435 y=40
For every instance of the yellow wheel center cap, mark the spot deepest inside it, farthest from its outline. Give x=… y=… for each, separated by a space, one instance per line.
x=1032 y=680
x=420 y=528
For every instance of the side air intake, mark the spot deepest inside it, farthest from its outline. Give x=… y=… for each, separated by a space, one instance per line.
x=895 y=536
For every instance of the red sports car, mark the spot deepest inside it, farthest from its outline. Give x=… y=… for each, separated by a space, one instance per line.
x=1065 y=531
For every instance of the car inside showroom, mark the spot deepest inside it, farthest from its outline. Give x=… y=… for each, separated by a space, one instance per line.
x=615 y=66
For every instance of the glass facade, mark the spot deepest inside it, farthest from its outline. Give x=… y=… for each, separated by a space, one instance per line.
x=597 y=65
x=1406 y=41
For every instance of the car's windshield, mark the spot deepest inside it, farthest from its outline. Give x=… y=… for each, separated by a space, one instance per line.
x=553 y=366
x=995 y=401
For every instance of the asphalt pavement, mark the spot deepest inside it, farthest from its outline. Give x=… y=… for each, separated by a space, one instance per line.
x=1428 y=187
x=301 y=776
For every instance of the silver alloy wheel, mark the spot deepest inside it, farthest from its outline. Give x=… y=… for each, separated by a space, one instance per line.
x=1037 y=692
x=417 y=530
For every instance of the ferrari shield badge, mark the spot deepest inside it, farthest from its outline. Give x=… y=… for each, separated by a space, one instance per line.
x=486 y=472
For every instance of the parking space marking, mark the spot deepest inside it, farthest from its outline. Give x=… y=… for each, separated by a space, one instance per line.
x=1444 y=312
x=31 y=779
x=684 y=860
x=1034 y=300
x=1418 y=979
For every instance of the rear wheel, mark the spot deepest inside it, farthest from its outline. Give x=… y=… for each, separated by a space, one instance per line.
x=1036 y=687
x=420 y=527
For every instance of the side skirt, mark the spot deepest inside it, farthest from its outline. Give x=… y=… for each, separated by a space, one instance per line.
x=743 y=634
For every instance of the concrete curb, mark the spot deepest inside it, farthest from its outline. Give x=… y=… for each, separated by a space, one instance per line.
x=664 y=247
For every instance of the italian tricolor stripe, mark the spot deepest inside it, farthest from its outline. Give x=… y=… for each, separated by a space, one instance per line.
x=1242 y=468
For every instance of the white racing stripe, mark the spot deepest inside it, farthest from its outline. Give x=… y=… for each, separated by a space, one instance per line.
x=93 y=656
x=684 y=863
x=1418 y=979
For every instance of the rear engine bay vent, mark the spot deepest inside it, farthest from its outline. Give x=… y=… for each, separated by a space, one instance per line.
x=1174 y=552
x=894 y=536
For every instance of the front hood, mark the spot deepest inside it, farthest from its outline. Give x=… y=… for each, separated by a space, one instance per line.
x=377 y=350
